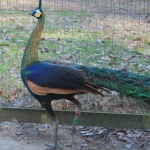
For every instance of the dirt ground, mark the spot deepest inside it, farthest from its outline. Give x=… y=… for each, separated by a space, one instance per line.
x=31 y=136
x=8 y=143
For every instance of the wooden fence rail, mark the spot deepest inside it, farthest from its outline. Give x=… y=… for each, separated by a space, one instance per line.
x=104 y=119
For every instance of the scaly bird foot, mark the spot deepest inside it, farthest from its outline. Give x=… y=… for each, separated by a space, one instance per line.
x=106 y=133
x=55 y=145
x=103 y=136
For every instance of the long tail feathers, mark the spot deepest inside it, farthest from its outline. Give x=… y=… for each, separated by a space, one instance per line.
x=127 y=83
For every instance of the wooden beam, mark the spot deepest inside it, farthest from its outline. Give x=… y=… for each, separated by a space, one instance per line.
x=104 y=119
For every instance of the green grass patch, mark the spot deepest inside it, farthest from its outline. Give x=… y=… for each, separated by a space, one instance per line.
x=67 y=36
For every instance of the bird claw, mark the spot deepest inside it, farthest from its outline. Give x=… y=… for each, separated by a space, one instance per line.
x=106 y=133
x=53 y=146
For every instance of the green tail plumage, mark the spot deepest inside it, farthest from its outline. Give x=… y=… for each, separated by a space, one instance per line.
x=127 y=83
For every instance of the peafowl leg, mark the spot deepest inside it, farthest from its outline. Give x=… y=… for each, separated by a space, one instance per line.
x=56 y=123
x=55 y=145
x=48 y=107
x=75 y=121
x=76 y=118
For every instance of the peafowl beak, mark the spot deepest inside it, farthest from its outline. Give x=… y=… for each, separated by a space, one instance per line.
x=30 y=13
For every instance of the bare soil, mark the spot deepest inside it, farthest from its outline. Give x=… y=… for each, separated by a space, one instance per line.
x=31 y=136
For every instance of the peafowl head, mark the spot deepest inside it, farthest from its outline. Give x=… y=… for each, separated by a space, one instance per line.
x=37 y=13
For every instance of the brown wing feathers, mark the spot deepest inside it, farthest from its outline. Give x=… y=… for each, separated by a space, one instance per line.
x=39 y=90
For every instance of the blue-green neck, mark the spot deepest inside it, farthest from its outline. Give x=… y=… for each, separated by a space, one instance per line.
x=31 y=50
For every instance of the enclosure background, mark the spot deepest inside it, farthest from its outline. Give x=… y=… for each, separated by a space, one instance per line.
x=104 y=33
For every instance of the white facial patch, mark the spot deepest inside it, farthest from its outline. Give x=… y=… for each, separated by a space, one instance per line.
x=37 y=13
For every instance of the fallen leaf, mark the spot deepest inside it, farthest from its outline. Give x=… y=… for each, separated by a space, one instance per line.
x=68 y=145
x=1 y=93
x=129 y=135
x=88 y=134
x=128 y=146
x=18 y=133
x=83 y=145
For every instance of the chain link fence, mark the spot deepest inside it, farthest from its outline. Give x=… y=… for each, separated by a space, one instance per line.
x=104 y=33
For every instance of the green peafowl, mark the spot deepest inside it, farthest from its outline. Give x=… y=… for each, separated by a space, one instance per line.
x=48 y=81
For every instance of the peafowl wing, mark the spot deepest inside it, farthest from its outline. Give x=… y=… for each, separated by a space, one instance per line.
x=44 y=78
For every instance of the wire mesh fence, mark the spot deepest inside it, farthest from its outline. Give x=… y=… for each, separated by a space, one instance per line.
x=104 y=33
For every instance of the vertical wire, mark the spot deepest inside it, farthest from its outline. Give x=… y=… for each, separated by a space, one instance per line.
x=17 y=46
x=1 y=40
x=9 y=26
